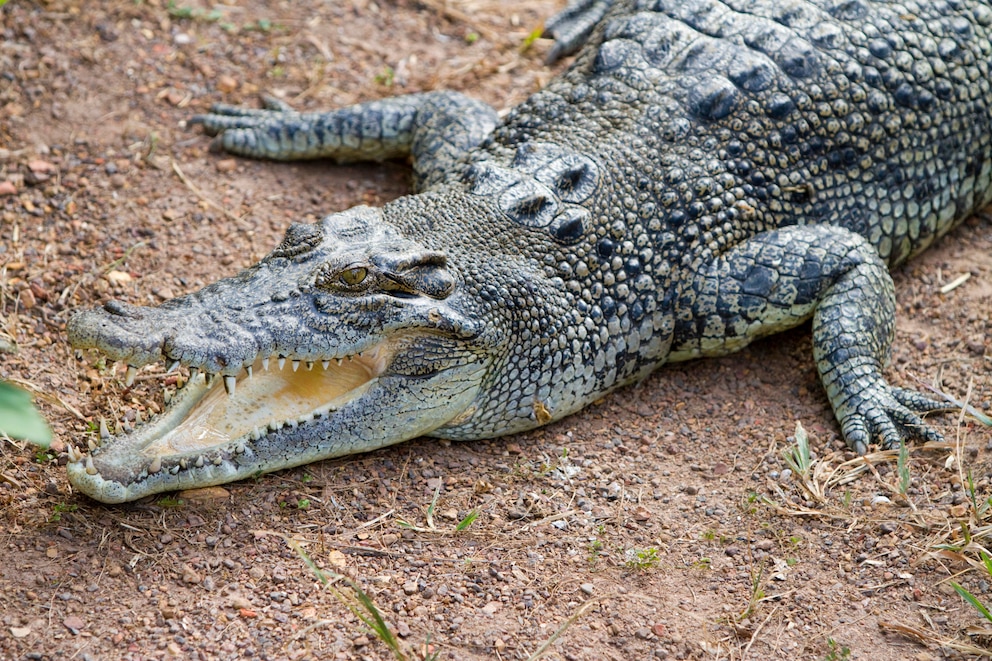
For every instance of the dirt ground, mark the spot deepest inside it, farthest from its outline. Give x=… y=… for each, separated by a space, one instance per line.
x=662 y=522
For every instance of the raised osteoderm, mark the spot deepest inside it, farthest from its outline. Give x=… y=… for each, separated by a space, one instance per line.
x=704 y=174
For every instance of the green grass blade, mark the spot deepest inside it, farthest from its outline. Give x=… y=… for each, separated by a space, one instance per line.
x=971 y=599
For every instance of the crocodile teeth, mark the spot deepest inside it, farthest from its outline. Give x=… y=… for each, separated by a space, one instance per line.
x=282 y=362
x=255 y=434
x=155 y=466
x=167 y=396
x=265 y=364
x=218 y=461
x=139 y=417
x=90 y=468
x=183 y=463
x=91 y=444
x=239 y=448
x=104 y=432
x=193 y=373
x=296 y=365
x=275 y=426
x=229 y=384
x=74 y=454
x=173 y=366
x=248 y=370
x=338 y=361
x=79 y=354
x=325 y=363
x=199 y=462
x=132 y=371
x=309 y=366
x=174 y=470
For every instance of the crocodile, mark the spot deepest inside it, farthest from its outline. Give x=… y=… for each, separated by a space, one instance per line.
x=703 y=174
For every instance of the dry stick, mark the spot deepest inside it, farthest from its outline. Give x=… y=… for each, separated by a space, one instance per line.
x=565 y=625
x=461 y=17
x=196 y=191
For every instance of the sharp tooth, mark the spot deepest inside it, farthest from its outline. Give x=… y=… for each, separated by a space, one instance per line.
x=74 y=454
x=155 y=466
x=229 y=384
x=79 y=354
x=132 y=371
x=118 y=428
x=218 y=461
x=309 y=365
x=296 y=365
x=248 y=369
x=90 y=468
x=351 y=358
x=92 y=444
x=199 y=462
x=325 y=363
x=255 y=434
x=183 y=463
x=210 y=377
x=275 y=426
x=282 y=362
x=139 y=417
x=239 y=448
x=167 y=396
x=291 y=424
x=174 y=470
x=193 y=373
x=265 y=364
x=338 y=361
x=104 y=432
x=173 y=365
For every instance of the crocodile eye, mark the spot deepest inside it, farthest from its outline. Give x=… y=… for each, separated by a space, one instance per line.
x=354 y=276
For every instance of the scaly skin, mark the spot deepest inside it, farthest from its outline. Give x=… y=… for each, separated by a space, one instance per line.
x=706 y=173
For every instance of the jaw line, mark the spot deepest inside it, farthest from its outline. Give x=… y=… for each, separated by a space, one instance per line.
x=203 y=426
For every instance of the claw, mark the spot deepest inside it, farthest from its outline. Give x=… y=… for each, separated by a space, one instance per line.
x=132 y=371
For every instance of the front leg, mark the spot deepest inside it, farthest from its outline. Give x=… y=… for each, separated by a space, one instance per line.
x=435 y=128
x=779 y=279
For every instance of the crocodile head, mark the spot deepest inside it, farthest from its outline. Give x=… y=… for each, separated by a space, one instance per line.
x=346 y=338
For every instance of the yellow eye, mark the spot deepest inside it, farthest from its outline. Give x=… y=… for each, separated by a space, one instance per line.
x=354 y=276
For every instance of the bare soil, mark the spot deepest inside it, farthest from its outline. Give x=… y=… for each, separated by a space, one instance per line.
x=658 y=523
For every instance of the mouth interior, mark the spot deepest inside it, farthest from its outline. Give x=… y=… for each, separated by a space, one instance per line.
x=268 y=399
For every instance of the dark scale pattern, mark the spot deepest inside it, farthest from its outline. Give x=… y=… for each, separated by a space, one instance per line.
x=706 y=172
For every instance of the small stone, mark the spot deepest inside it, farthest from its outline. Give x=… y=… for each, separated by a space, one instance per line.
x=226 y=84
x=190 y=575
x=118 y=277
x=389 y=539
x=42 y=167
x=403 y=629
x=74 y=624
x=171 y=214
x=226 y=165
x=163 y=293
x=361 y=641
x=491 y=608
x=410 y=588
x=587 y=588
x=642 y=514
x=118 y=180
x=7 y=188
x=238 y=602
x=28 y=300
x=643 y=633
x=52 y=552
x=182 y=39
x=720 y=468
x=659 y=629
x=732 y=550
x=765 y=545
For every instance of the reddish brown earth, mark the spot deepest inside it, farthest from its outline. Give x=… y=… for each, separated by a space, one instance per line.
x=735 y=561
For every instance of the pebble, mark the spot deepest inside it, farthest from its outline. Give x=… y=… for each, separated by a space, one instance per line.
x=226 y=84
x=361 y=641
x=410 y=588
x=491 y=608
x=7 y=188
x=74 y=624
x=587 y=588
x=226 y=165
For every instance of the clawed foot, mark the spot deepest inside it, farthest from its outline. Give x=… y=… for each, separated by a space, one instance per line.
x=572 y=26
x=889 y=414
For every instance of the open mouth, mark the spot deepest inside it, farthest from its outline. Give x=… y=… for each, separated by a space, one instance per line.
x=212 y=419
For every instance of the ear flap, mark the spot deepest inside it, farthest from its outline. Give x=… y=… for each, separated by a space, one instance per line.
x=416 y=274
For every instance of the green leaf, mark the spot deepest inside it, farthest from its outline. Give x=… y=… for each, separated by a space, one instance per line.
x=970 y=598
x=19 y=419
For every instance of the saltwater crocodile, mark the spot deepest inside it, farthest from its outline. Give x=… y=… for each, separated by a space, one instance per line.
x=704 y=174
